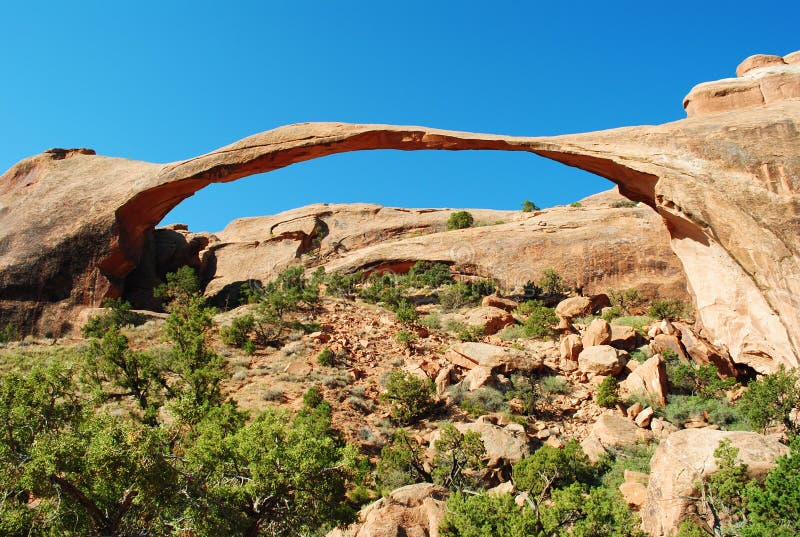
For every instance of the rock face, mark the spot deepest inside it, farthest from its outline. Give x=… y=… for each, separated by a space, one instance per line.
x=685 y=458
x=74 y=225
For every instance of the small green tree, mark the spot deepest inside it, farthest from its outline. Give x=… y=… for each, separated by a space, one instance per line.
x=402 y=463
x=668 y=309
x=458 y=457
x=460 y=220
x=551 y=283
x=770 y=401
x=408 y=396
x=774 y=507
x=608 y=392
x=115 y=372
x=528 y=206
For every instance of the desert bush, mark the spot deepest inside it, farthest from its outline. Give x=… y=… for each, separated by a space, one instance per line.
x=512 y=332
x=409 y=397
x=576 y=204
x=326 y=357
x=461 y=294
x=406 y=312
x=554 y=384
x=549 y=467
x=460 y=220
x=623 y=204
x=637 y=322
x=482 y=401
x=119 y=315
x=457 y=459
x=770 y=401
x=428 y=274
x=551 y=283
x=405 y=338
x=540 y=319
x=273 y=393
x=312 y=398
x=668 y=309
x=237 y=334
x=607 y=393
x=343 y=285
x=433 y=321
x=628 y=300
x=528 y=206
x=470 y=333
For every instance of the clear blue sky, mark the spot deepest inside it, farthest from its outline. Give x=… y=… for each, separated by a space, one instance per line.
x=163 y=81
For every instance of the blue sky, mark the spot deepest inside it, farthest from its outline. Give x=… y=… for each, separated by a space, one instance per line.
x=163 y=81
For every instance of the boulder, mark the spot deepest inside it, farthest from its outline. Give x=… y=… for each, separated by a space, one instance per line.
x=504 y=445
x=611 y=430
x=495 y=301
x=668 y=342
x=570 y=348
x=649 y=378
x=601 y=360
x=644 y=417
x=575 y=306
x=497 y=358
x=623 y=337
x=634 y=489
x=491 y=319
x=477 y=377
x=685 y=458
x=703 y=352
x=413 y=510
x=443 y=380
x=597 y=333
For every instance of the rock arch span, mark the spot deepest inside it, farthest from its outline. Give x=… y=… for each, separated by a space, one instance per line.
x=73 y=224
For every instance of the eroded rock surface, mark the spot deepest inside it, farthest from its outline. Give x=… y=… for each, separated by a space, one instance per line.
x=74 y=225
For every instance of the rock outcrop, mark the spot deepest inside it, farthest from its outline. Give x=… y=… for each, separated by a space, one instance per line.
x=686 y=458
x=74 y=225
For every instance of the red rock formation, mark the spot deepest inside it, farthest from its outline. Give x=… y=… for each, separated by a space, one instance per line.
x=73 y=225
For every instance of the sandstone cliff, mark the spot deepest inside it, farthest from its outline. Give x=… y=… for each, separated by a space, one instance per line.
x=74 y=225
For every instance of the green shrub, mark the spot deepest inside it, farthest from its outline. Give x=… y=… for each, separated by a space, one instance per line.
x=549 y=467
x=528 y=206
x=555 y=384
x=774 y=508
x=628 y=300
x=406 y=313
x=668 y=309
x=690 y=529
x=540 y=319
x=461 y=294
x=680 y=408
x=635 y=457
x=401 y=463
x=607 y=393
x=312 y=398
x=9 y=333
x=470 y=333
x=576 y=204
x=512 y=332
x=482 y=401
x=119 y=315
x=460 y=220
x=408 y=396
x=405 y=338
x=457 y=459
x=237 y=334
x=552 y=283
x=326 y=357
x=343 y=285
x=770 y=400
x=426 y=273
x=637 y=322
x=624 y=203
x=642 y=354
x=433 y=321
x=612 y=313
